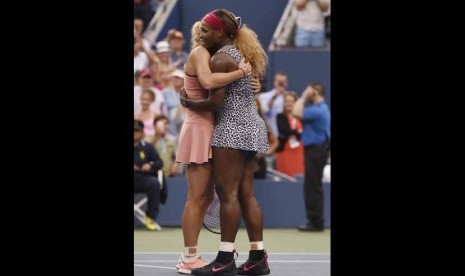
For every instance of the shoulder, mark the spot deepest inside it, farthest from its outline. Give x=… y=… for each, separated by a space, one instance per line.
x=222 y=61
x=199 y=51
x=309 y=108
x=314 y=109
x=150 y=147
x=146 y=145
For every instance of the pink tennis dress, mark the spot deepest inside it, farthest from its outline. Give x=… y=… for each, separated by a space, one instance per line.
x=196 y=135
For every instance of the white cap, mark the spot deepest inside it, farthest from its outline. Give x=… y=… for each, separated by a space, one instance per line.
x=163 y=47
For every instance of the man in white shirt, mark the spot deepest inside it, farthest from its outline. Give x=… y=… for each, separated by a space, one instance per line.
x=310 y=21
x=138 y=28
x=272 y=102
x=141 y=60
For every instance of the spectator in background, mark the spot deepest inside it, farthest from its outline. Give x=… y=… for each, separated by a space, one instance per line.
x=163 y=52
x=138 y=28
x=165 y=145
x=171 y=96
x=146 y=165
x=179 y=117
x=141 y=60
x=176 y=41
x=290 y=153
x=316 y=134
x=146 y=115
x=146 y=82
x=272 y=102
x=155 y=70
x=310 y=22
x=260 y=162
x=166 y=79
x=143 y=57
x=145 y=10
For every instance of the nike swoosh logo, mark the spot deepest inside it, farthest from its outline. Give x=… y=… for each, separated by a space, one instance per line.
x=250 y=267
x=214 y=269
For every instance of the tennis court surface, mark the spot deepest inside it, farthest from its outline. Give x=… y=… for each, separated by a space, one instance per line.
x=286 y=264
x=290 y=252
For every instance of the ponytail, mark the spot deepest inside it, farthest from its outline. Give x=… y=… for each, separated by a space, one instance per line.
x=247 y=42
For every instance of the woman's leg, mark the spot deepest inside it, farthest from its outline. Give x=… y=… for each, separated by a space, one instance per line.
x=257 y=263
x=199 y=196
x=249 y=206
x=228 y=165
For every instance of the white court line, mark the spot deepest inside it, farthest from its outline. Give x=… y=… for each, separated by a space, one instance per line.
x=298 y=261
x=213 y=253
x=155 y=261
x=164 y=267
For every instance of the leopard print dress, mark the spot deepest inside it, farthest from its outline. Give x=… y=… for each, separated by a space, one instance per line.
x=238 y=125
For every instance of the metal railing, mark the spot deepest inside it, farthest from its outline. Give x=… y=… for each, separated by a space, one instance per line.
x=284 y=30
x=158 y=20
x=279 y=176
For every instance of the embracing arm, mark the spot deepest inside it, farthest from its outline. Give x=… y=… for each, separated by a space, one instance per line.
x=210 y=80
x=220 y=63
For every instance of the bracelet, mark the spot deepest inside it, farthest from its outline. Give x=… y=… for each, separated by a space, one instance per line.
x=243 y=72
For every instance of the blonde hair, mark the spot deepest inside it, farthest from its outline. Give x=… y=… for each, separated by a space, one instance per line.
x=246 y=41
x=251 y=49
x=195 y=32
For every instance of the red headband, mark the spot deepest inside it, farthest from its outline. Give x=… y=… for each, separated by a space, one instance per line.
x=213 y=21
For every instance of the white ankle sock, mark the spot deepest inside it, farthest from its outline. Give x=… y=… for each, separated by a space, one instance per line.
x=190 y=254
x=256 y=245
x=227 y=246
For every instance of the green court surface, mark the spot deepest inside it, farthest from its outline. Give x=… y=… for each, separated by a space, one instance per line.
x=275 y=240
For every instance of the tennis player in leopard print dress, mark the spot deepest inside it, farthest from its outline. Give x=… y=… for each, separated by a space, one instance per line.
x=194 y=147
x=238 y=135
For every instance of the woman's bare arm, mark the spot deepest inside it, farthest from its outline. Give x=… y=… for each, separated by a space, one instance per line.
x=220 y=63
x=209 y=80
